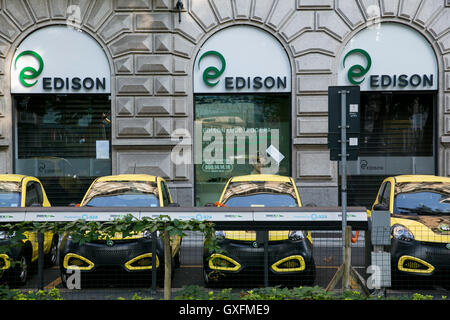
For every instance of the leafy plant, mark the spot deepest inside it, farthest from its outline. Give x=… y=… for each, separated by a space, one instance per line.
x=83 y=231
x=194 y=292
x=14 y=294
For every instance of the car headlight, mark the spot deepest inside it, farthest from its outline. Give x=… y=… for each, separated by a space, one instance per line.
x=401 y=233
x=5 y=235
x=296 y=235
x=220 y=235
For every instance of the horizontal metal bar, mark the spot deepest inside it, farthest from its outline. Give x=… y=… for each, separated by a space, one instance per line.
x=313 y=218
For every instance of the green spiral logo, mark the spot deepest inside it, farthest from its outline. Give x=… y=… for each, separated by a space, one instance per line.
x=212 y=73
x=29 y=73
x=358 y=71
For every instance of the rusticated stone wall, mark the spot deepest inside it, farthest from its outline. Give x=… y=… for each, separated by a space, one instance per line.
x=151 y=55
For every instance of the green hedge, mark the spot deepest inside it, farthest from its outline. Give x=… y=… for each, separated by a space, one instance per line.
x=279 y=293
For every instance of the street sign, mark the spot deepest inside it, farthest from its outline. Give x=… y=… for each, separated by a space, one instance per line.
x=352 y=111
x=343 y=136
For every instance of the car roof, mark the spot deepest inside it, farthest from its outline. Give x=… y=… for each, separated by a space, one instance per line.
x=260 y=177
x=420 y=178
x=12 y=177
x=128 y=177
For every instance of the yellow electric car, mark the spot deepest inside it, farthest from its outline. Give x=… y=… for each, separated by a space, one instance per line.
x=23 y=191
x=420 y=227
x=120 y=257
x=242 y=260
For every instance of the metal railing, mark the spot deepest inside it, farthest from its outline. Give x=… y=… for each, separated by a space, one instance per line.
x=261 y=220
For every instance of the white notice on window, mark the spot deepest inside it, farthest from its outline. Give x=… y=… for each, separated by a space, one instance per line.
x=102 y=148
x=353 y=108
x=353 y=142
x=275 y=153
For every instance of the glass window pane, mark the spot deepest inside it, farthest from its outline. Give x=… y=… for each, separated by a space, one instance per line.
x=122 y=194
x=64 y=140
x=10 y=194
x=234 y=132
x=397 y=137
x=32 y=195
x=399 y=124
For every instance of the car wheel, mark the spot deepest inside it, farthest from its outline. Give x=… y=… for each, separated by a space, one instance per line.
x=208 y=281
x=64 y=279
x=52 y=256
x=206 y=278
x=20 y=271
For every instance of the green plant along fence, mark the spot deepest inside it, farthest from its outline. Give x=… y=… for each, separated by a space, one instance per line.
x=83 y=231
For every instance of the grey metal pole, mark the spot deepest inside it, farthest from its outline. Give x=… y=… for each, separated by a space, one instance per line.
x=40 y=238
x=266 y=258
x=154 y=239
x=344 y=164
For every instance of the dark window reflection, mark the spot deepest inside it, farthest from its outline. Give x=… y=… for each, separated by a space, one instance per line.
x=64 y=140
x=396 y=124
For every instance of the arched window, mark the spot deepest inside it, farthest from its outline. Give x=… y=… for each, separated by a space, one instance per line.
x=242 y=109
x=397 y=71
x=60 y=87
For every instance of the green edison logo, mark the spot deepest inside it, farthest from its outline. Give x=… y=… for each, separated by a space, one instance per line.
x=29 y=73
x=358 y=71
x=212 y=73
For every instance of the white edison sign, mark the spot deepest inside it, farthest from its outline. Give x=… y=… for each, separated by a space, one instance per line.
x=59 y=60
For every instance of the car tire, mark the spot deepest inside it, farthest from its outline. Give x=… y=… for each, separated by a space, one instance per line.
x=52 y=256
x=64 y=279
x=208 y=282
x=21 y=270
x=206 y=278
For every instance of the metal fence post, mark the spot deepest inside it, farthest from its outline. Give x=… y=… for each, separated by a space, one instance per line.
x=40 y=239
x=154 y=239
x=266 y=258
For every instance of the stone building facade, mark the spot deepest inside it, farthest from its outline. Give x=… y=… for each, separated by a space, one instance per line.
x=151 y=47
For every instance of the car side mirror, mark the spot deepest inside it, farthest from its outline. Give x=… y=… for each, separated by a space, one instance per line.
x=380 y=207
x=74 y=204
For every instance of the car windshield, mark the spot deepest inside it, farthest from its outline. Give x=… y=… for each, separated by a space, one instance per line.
x=260 y=194
x=422 y=199
x=10 y=194
x=262 y=200
x=123 y=194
